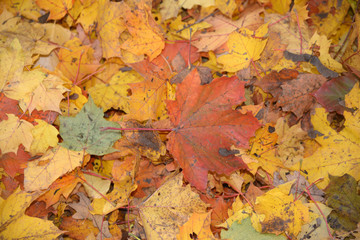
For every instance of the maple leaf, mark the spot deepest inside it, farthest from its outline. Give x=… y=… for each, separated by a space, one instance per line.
x=42 y=172
x=206 y=123
x=198 y=225
x=14 y=224
x=244 y=46
x=58 y=9
x=336 y=154
x=168 y=207
x=83 y=132
x=146 y=35
x=14 y=132
x=45 y=135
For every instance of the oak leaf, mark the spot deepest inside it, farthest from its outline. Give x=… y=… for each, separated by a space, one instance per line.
x=205 y=124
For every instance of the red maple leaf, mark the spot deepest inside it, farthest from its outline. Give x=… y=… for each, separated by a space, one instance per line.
x=207 y=126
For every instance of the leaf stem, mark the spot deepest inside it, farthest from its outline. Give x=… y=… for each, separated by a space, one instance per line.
x=138 y=129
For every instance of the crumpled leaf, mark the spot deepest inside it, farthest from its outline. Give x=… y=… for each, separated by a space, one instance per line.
x=206 y=123
x=42 y=172
x=14 y=224
x=14 y=132
x=336 y=154
x=169 y=207
x=84 y=131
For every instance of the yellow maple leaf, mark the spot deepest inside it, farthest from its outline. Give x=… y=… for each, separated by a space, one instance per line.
x=46 y=96
x=169 y=207
x=14 y=132
x=110 y=26
x=177 y=25
x=45 y=135
x=337 y=154
x=115 y=93
x=42 y=172
x=11 y=63
x=58 y=9
x=26 y=8
x=89 y=15
x=281 y=212
x=244 y=46
x=76 y=60
x=146 y=35
x=147 y=100
x=119 y=197
x=325 y=57
x=14 y=224
x=198 y=225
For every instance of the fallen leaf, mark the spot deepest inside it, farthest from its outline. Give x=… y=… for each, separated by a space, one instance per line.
x=84 y=132
x=42 y=172
x=342 y=197
x=16 y=225
x=198 y=227
x=14 y=132
x=45 y=136
x=245 y=46
x=281 y=212
x=57 y=9
x=205 y=123
x=244 y=230
x=335 y=156
x=169 y=207
x=331 y=95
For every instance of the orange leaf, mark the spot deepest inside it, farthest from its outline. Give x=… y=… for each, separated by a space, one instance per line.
x=58 y=9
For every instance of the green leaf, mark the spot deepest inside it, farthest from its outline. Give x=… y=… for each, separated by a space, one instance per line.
x=84 y=131
x=244 y=230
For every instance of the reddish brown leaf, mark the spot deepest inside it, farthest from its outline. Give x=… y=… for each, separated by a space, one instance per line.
x=206 y=123
x=14 y=164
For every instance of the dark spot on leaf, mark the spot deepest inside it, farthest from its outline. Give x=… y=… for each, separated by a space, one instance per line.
x=271 y=129
x=74 y=96
x=226 y=152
